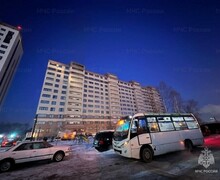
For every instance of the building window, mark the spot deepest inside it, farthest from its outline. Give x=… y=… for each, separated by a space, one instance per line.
x=47 y=89
x=64 y=87
x=53 y=103
x=63 y=92
x=52 y=69
x=62 y=103
x=4 y=46
x=61 y=109
x=48 y=84
x=55 y=91
x=63 y=97
x=54 y=97
x=43 y=108
x=2 y=52
x=52 y=109
x=44 y=102
x=49 y=78
x=50 y=73
x=46 y=95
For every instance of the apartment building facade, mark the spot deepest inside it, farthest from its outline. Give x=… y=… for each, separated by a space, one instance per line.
x=11 y=51
x=75 y=99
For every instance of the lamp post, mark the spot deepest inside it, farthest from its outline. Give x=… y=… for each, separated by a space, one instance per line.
x=33 y=130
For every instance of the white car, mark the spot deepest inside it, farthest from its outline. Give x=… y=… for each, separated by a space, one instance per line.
x=31 y=151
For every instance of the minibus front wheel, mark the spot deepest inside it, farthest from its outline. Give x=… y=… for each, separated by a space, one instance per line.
x=146 y=154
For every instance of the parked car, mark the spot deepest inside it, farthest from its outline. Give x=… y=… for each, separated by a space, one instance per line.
x=27 y=151
x=8 y=143
x=103 y=140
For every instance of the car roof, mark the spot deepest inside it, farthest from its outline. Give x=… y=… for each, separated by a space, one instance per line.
x=106 y=131
x=28 y=141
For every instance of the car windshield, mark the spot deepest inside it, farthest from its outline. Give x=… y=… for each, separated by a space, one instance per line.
x=8 y=148
x=122 y=129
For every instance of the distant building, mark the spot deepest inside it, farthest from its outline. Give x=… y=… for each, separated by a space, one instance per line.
x=10 y=54
x=73 y=98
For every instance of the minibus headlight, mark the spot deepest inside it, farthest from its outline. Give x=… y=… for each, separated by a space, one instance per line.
x=126 y=143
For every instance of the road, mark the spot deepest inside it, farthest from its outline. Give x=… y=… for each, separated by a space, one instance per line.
x=86 y=163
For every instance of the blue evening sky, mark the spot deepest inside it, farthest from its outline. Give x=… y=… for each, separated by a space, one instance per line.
x=177 y=42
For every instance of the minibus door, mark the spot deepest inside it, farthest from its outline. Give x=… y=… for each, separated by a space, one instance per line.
x=143 y=132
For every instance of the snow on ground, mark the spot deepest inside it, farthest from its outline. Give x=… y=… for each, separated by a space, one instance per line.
x=83 y=160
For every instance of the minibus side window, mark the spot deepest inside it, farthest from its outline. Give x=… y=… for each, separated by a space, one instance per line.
x=142 y=126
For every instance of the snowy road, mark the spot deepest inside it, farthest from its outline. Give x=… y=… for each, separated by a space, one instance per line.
x=86 y=163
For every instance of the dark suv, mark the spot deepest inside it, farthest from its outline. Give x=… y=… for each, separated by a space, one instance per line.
x=103 y=140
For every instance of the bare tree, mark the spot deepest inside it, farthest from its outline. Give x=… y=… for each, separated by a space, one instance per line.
x=172 y=99
x=164 y=91
x=176 y=101
x=191 y=106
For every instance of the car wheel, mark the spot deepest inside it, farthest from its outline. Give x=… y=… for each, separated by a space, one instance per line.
x=58 y=156
x=147 y=155
x=5 y=166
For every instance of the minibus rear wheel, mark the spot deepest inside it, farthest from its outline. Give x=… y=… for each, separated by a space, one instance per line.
x=189 y=145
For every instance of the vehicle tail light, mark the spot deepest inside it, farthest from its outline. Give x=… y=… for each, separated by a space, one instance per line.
x=4 y=143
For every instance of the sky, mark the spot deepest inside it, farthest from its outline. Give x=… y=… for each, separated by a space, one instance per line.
x=177 y=42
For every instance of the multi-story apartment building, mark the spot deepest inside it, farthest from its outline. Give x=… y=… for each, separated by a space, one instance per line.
x=75 y=99
x=10 y=54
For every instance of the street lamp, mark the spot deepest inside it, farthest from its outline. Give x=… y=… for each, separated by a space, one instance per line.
x=33 y=129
